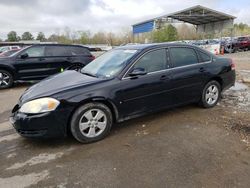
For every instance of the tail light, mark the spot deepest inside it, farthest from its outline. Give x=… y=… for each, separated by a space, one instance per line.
x=92 y=57
x=232 y=65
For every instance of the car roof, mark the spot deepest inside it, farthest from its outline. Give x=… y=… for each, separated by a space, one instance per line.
x=74 y=45
x=153 y=45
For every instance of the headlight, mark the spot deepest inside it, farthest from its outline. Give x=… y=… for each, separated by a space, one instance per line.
x=39 y=106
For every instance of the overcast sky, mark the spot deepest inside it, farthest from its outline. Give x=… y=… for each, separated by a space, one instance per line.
x=50 y=16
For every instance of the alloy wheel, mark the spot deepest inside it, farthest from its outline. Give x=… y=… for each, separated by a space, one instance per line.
x=92 y=123
x=4 y=79
x=212 y=94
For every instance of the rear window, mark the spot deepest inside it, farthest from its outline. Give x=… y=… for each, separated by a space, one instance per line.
x=77 y=50
x=204 y=57
x=182 y=56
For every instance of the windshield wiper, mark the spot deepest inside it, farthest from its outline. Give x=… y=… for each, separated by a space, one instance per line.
x=89 y=74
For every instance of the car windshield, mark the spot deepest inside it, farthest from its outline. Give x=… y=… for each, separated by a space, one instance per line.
x=108 y=64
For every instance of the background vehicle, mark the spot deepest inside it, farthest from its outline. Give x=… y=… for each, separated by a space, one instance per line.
x=8 y=53
x=40 y=61
x=126 y=82
x=7 y=48
x=244 y=43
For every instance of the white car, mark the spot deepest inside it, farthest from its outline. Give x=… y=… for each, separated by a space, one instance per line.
x=7 y=48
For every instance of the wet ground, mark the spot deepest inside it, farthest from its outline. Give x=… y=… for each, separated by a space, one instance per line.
x=183 y=147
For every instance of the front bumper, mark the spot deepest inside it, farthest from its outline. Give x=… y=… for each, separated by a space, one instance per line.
x=45 y=125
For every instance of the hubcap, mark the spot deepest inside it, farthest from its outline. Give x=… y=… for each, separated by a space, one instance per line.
x=4 y=79
x=93 y=123
x=212 y=94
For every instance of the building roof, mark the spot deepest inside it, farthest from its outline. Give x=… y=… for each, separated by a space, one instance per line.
x=196 y=15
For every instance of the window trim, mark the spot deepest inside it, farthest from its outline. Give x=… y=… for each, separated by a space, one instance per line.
x=168 y=61
x=124 y=77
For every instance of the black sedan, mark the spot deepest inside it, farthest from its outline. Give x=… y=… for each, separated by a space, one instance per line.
x=124 y=83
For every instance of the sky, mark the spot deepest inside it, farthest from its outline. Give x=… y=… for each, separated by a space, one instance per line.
x=52 y=16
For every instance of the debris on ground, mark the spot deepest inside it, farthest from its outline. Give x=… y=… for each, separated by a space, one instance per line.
x=237 y=96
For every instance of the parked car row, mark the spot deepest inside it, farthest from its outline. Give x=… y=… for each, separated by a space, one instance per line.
x=40 y=61
x=228 y=44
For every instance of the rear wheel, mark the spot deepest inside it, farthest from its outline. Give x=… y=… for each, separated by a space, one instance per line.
x=6 y=79
x=91 y=122
x=211 y=94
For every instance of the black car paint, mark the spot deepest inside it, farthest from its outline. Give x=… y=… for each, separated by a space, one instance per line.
x=127 y=97
x=37 y=68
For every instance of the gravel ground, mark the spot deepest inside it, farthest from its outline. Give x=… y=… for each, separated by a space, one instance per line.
x=183 y=147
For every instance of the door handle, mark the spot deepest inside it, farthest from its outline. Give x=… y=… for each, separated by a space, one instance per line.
x=164 y=77
x=202 y=69
x=41 y=59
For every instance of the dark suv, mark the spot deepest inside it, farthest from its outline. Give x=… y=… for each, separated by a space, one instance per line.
x=40 y=61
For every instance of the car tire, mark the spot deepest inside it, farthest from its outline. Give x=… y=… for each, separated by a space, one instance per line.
x=211 y=94
x=86 y=127
x=6 y=79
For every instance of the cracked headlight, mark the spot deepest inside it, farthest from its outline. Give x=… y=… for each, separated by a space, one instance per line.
x=39 y=106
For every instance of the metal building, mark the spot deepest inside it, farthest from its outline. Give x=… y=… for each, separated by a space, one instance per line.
x=205 y=19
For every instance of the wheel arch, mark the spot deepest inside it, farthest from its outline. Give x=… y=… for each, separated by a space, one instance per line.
x=218 y=79
x=102 y=100
x=9 y=69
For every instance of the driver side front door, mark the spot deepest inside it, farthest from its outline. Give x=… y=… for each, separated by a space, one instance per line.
x=32 y=64
x=148 y=92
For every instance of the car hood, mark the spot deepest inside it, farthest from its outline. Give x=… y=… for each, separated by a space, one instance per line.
x=57 y=83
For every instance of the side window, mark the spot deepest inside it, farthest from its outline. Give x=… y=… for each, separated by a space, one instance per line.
x=56 y=51
x=36 y=51
x=76 y=50
x=182 y=56
x=204 y=57
x=153 y=61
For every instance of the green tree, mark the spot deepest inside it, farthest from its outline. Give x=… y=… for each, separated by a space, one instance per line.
x=84 y=37
x=41 y=37
x=165 y=34
x=27 y=36
x=12 y=36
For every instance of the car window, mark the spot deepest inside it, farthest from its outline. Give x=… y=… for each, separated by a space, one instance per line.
x=77 y=50
x=153 y=61
x=36 y=51
x=204 y=57
x=182 y=56
x=57 y=51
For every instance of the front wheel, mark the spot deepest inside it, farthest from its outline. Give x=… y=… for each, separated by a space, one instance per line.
x=211 y=94
x=6 y=79
x=91 y=122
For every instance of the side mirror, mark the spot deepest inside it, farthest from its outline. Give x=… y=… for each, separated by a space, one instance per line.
x=24 y=56
x=137 y=72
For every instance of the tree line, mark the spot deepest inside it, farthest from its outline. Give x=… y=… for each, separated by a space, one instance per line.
x=164 y=34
